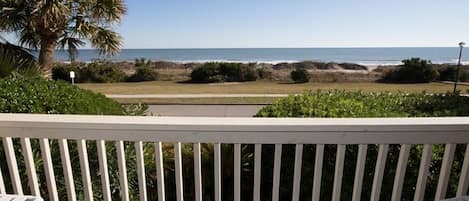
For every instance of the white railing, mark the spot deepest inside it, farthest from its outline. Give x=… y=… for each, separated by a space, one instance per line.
x=237 y=131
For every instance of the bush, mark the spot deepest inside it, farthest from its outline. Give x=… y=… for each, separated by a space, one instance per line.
x=227 y=72
x=358 y=104
x=300 y=75
x=448 y=73
x=207 y=72
x=37 y=95
x=413 y=70
x=143 y=74
x=237 y=72
x=96 y=72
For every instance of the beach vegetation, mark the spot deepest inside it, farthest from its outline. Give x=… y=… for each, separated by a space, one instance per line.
x=223 y=72
x=414 y=70
x=67 y=24
x=144 y=74
x=205 y=73
x=449 y=73
x=95 y=72
x=300 y=75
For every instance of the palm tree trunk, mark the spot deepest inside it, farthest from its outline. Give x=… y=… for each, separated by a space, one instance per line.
x=46 y=55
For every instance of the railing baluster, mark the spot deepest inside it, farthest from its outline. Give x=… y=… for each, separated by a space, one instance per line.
x=379 y=172
x=12 y=165
x=359 y=172
x=124 y=188
x=297 y=172
x=237 y=172
x=141 y=171
x=277 y=168
x=85 y=169
x=49 y=169
x=178 y=171
x=159 y=171
x=423 y=172
x=30 y=167
x=2 y=183
x=318 y=172
x=339 y=171
x=464 y=177
x=197 y=172
x=103 y=169
x=400 y=172
x=257 y=172
x=445 y=172
x=217 y=171
x=67 y=169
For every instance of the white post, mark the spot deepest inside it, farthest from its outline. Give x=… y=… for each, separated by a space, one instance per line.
x=72 y=76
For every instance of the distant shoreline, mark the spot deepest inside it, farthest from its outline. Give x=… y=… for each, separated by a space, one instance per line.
x=364 y=56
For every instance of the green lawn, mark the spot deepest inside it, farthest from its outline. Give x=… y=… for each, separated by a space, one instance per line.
x=258 y=87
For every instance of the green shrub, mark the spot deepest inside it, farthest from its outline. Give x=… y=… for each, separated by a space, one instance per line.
x=237 y=72
x=207 y=72
x=358 y=104
x=95 y=72
x=413 y=70
x=227 y=72
x=448 y=73
x=62 y=72
x=300 y=75
x=102 y=72
x=37 y=95
x=143 y=74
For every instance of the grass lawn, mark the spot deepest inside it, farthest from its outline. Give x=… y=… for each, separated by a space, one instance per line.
x=258 y=87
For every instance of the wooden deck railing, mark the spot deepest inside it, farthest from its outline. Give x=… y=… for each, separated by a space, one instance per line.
x=236 y=131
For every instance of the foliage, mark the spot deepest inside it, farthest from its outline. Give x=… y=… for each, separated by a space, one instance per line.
x=67 y=24
x=227 y=72
x=237 y=72
x=208 y=72
x=96 y=72
x=143 y=74
x=413 y=70
x=300 y=75
x=359 y=104
x=142 y=62
x=37 y=95
x=448 y=74
x=264 y=73
x=16 y=59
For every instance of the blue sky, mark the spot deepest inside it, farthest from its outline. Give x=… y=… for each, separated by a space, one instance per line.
x=294 y=23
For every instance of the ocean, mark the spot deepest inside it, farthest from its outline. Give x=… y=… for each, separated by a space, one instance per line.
x=364 y=56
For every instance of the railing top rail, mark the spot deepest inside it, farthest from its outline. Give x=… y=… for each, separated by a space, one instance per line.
x=239 y=130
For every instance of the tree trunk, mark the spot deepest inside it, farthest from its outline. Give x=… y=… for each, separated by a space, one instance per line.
x=46 y=55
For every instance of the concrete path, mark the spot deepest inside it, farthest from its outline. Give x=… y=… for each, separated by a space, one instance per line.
x=124 y=96
x=204 y=110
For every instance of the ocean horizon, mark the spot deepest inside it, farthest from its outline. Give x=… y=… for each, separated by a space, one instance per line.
x=364 y=56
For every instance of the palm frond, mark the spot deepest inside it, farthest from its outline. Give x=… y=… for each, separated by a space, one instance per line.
x=106 y=41
x=14 y=58
x=71 y=45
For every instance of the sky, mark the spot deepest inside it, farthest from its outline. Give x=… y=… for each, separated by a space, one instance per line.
x=294 y=23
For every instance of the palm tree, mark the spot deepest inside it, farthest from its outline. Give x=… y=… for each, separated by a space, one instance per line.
x=50 y=24
x=14 y=58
